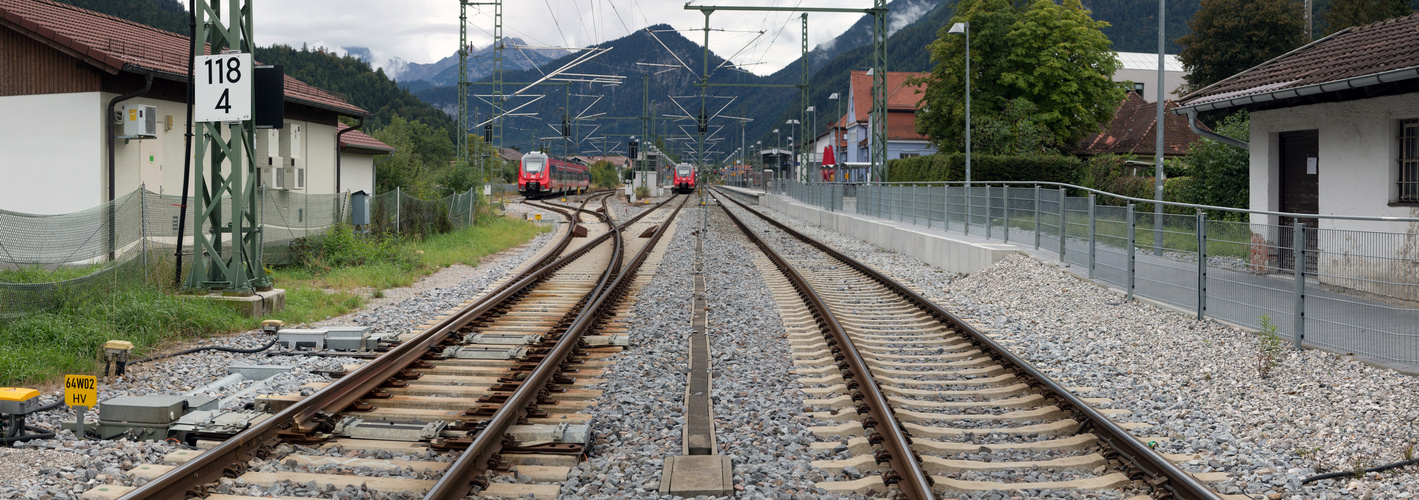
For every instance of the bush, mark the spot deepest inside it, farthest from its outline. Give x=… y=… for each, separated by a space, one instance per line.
x=984 y=168
x=342 y=247
x=603 y=175
x=1221 y=172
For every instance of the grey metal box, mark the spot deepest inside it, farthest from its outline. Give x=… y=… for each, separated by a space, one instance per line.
x=152 y=409
x=301 y=339
x=348 y=338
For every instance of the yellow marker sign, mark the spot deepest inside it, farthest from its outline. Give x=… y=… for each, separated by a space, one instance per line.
x=539 y=216
x=81 y=390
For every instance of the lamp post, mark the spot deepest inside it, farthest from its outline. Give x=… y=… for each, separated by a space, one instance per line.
x=965 y=29
x=813 y=140
x=792 y=146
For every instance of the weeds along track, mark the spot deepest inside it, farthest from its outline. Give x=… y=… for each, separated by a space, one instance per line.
x=485 y=400
x=927 y=404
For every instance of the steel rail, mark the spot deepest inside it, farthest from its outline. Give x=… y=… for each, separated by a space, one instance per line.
x=467 y=471
x=314 y=412
x=910 y=479
x=1160 y=472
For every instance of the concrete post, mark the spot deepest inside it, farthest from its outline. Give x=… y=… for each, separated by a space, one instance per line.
x=143 y=207
x=989 y=218
x=396 y=211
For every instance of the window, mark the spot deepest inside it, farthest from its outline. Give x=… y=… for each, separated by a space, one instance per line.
x=908 y=155
x=1138 y=87
x=1409 y=160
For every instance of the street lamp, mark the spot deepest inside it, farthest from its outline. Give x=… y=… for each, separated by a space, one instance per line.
x=814 y=128
x=792 y=147
x=778 y=142
x=965 y=29
x=837 y=119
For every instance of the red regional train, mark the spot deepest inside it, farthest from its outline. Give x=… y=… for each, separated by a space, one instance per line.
x=684 y=178
x=542 y=175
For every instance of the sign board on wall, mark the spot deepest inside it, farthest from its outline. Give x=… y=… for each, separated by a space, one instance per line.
x=223 y=88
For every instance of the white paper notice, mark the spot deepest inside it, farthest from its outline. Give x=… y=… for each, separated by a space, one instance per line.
x=1311 y=165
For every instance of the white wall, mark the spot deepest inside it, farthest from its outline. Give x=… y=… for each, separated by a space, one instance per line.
x=358 y=172
x=1357 y=171
x=50 y=152
x=156 y=163
x=1172 y=81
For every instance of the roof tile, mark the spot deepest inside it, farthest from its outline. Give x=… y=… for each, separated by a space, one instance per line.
x=1132 y=130
x=120 y=43
x=356 y=139
x=1358 y=51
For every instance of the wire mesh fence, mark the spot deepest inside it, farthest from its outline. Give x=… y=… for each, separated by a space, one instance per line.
x=129 y=239
x=1347 y=284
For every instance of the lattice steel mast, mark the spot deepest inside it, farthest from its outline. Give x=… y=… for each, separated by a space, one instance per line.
x=237 y=270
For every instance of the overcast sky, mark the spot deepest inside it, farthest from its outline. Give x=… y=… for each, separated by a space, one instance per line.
x=425 y=31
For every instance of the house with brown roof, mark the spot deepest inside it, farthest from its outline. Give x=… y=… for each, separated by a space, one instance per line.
x=850 y=133
x=62 y=69
x=1133 y=131
x=1334 y=131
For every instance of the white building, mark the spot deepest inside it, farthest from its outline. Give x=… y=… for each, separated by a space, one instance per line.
x=62 y=67
x=1141 y=68
x=1334 y=131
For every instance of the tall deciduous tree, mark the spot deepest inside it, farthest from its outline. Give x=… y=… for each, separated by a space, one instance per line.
x=1229 y=36
x=1053 y=56
x=1346 y=13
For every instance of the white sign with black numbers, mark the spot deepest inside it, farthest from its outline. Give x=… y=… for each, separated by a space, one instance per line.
x=223 y=88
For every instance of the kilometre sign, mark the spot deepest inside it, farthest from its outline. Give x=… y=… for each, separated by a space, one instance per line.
x=81 y=390
x=223 y=88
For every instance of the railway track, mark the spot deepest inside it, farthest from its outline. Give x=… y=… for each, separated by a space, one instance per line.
x=493 y=386
x=924 y=404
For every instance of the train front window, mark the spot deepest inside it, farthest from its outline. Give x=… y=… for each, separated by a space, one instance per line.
x=683 y=171
x=532 y=165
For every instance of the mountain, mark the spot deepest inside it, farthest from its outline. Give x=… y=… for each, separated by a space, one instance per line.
x=913 y=25
x=168 y=15
x=353 y=79
x=444 y=72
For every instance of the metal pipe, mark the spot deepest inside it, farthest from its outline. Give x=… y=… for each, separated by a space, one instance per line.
x=112 y=161
x=187 y=148
x=338 y=135
x=1192 y=124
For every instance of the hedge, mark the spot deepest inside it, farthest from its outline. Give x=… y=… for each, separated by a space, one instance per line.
x=984 y=168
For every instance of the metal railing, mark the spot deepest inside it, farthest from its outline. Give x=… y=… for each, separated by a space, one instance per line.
x=1357 y=289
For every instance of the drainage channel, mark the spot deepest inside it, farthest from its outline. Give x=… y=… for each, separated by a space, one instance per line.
x=700 y=469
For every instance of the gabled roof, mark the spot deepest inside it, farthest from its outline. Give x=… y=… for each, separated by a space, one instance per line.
x=115 y=45
x=1133 y=131
x=510 y=154
x=1363 y=56
x=900 y=96
x=358 y=140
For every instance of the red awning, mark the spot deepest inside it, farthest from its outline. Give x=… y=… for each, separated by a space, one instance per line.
x=828 y=158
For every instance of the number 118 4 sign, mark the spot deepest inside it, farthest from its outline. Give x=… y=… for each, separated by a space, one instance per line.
x=223 y=88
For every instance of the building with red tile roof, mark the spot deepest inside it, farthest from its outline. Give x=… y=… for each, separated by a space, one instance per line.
x=1133 y=130
x=61 y=67
x=1334 y=131
x=357 y=158
x=850 y=133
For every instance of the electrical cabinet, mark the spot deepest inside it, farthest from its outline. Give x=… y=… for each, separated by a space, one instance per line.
x=140 y=121
x=291 y=141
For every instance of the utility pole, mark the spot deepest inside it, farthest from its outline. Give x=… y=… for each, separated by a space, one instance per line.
x=879 y=91
x=1158 y=173
x=803 y=101
x=238 y=270
x=463 y=83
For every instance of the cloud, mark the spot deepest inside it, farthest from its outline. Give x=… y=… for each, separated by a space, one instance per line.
x=903 y=17
x=425 y=31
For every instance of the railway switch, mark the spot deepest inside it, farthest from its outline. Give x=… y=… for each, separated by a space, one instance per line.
x=115 y=353
x=144 y=417
x=213 y=424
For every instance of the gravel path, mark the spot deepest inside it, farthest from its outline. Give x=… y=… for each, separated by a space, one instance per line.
x=1196 y=380
x=61 y=468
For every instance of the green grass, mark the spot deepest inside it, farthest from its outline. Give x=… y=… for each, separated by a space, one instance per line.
x=40 y=347
x=40 y=275
x=1223 y=238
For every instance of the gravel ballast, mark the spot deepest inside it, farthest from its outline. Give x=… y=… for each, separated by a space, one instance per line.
x=64 y=467
x=1196 y=381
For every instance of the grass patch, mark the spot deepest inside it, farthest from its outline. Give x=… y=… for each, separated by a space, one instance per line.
x=42 y=346
x=38 y=274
